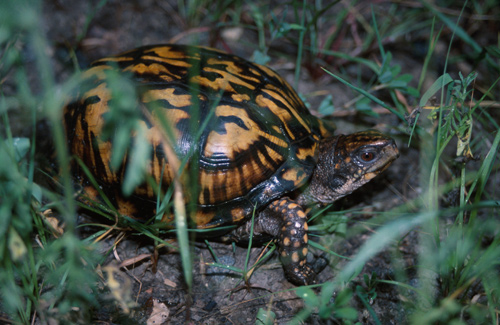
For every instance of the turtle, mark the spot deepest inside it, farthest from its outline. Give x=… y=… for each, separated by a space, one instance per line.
x=257 y=150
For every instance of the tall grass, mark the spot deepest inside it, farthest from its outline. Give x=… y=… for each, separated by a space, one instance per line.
x=38 y=275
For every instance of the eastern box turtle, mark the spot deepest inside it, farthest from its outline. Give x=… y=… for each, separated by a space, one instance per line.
x=257 y=146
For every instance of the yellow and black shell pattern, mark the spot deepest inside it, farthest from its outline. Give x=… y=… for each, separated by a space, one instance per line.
x=258 y=142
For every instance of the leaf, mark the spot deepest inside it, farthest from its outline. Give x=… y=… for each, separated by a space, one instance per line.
x=395 y=70
x=309 y=297
x=326 y=106
x=405 y=77
x=36 y=192
x=397 y=84
x=287 y=27
x=260 y=57
x=121 y=143
x=412 y=91
x=17 y=247
x=265 y=317
x=364 y=105
x=327 y=293
x=138 y=158
x=436 y=86
x=346 y=313
x=326 y=307
x=21 y=146
x=159 y=314
x=385 y=77
x=343 y=297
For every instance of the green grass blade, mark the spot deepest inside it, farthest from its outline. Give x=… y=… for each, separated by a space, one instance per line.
x=439 y=84
x=366 y=94
x=383 y=237
x=460 y=32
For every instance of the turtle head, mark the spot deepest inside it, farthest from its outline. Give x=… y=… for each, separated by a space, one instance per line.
x=346 y=162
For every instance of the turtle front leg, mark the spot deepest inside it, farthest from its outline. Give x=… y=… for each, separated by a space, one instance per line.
x=286 y=222
x=292 y=239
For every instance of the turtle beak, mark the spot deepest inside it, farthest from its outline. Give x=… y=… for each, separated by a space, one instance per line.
x=395 y=149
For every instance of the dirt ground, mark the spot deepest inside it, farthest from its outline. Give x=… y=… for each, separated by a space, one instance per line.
x=219 y=296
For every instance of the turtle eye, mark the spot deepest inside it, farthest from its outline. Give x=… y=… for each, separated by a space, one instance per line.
x=367 y=156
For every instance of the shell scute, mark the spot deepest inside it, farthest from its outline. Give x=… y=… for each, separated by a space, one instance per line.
x=251 y=135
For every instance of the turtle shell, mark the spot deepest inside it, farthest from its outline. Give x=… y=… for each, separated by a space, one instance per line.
x=246 y=130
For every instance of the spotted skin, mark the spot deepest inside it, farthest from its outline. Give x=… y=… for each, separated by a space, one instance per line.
x=259 y=150
x=293 y=240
